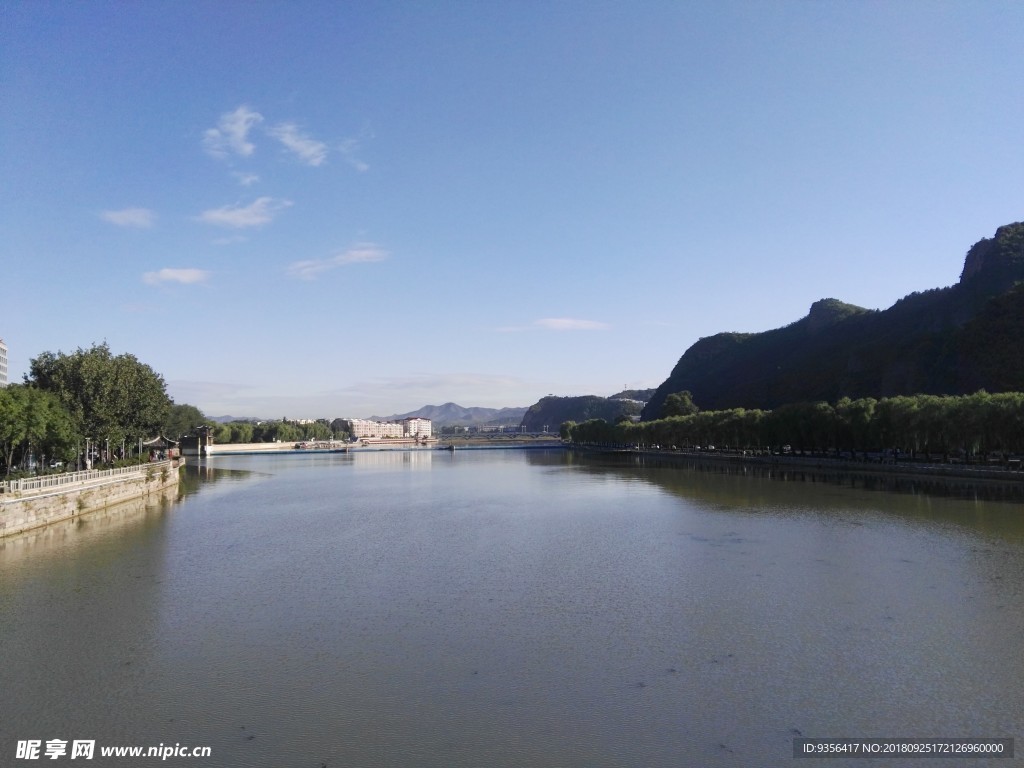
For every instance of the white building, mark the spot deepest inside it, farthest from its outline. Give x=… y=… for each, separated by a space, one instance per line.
x=361 y=428
x=417 y=427
x=3 y=364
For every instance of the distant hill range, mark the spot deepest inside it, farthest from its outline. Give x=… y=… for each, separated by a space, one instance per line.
x=534 y=418
x=451 y=414
x=944 y=341
x=550 y=412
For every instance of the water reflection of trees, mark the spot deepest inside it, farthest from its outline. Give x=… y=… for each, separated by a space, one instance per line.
x=988 y=506
x=195 y=474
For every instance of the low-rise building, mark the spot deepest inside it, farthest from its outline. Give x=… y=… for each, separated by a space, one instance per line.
x=417 y=427
x=360 y=428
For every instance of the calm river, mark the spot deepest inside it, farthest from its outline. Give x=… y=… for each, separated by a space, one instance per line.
x=512 y=608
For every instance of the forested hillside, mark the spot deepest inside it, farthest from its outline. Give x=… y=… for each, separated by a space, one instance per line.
x=944 y=341
x=550 y=412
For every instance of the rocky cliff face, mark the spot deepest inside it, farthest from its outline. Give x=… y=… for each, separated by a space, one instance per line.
x=977 y=256
x=1001 y=255
x=942 y=341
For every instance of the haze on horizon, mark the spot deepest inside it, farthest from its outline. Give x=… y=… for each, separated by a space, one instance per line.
x=313 y=210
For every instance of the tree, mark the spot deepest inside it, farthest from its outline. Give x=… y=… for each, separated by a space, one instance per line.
x=109 y=397
x=233 y=432
x=855 y=423
x=679 y=404
x=241 y=431
x=222 y=434
x=318 y=430
x=276 y=431
x=182 y=420
x=33 y=422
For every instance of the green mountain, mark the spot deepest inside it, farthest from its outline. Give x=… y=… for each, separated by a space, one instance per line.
x=550 y=412
x=950 y=341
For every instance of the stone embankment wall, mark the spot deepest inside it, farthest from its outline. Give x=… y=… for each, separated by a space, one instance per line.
x=25 y=510
x=229 y=448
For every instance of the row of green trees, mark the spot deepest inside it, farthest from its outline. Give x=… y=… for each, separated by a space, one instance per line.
x=283 y=431
x=89 y=397
x=972 y=424
x=94 y=405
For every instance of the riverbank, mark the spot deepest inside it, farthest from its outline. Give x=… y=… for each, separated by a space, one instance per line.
x=38 y=502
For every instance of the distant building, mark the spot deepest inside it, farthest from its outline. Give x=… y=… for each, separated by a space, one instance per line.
x=3 y=364
x=367 y=428
x=417 y=427
x=360 y=428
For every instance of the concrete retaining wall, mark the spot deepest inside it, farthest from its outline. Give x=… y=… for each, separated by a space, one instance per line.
x=25 y=511
x=226 y=449
x=311 y=446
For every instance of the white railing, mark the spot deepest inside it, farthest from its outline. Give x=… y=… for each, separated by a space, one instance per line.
x=87 y=477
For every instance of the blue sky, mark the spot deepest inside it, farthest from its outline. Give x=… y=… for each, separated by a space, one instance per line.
x=320 y=209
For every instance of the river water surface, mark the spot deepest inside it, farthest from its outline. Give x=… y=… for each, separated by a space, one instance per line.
x=512 y=608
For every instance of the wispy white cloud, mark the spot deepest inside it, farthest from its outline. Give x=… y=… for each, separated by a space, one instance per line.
x=363 y=253
x=232 y=136
x=256 y=214
x=140 y=218
x=349 y=152
x=232 y=133
x=184 y=276
x=307 y=149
